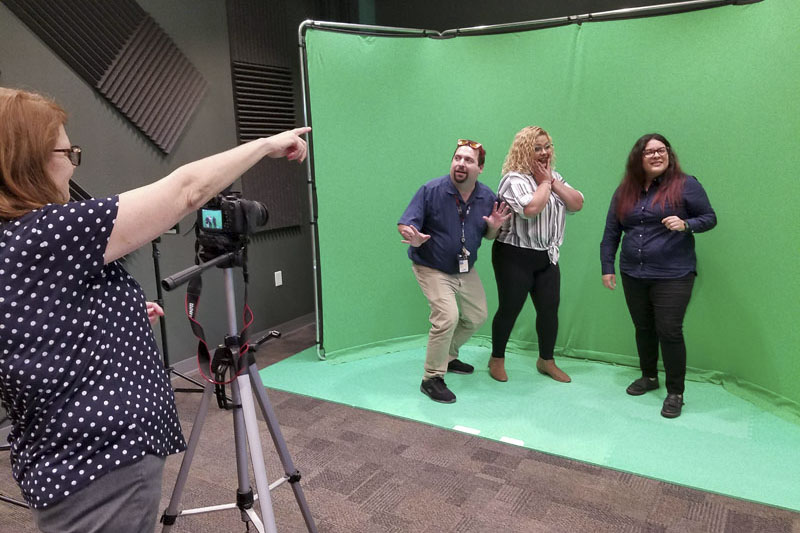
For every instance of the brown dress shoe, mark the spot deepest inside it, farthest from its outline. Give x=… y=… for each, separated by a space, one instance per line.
x=548 y=367
x=497 y=368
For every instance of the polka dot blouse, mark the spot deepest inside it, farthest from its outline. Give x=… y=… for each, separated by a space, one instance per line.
x=80 y=372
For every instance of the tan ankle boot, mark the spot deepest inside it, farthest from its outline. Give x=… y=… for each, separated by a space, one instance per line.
x=548 y=367
x=497 y=368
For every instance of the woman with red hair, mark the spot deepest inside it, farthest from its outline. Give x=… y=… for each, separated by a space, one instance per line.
x=659 y=209
x=80 y=374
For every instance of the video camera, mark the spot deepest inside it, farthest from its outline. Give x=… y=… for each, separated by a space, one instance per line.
x=225 y=221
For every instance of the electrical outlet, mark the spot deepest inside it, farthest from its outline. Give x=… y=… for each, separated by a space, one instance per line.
x=278 y=278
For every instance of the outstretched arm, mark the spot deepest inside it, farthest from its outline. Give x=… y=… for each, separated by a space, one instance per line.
x=147 y=212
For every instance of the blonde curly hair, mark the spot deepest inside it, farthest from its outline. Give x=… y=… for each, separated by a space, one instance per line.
x=521 y=153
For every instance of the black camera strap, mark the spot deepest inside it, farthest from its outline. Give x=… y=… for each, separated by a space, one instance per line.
x=223 y=357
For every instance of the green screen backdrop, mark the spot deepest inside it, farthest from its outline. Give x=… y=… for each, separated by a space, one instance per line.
x=722 y=84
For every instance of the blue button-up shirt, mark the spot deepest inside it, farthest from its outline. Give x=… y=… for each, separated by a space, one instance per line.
x=434 y=210
x=649 y=249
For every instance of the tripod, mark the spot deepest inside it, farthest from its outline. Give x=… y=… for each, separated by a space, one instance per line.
x=246 y=435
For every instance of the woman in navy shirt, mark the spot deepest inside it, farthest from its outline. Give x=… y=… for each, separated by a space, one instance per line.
x=80 y=375
x=659 y=208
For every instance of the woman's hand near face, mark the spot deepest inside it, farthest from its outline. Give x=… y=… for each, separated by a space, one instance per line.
x=541 y=172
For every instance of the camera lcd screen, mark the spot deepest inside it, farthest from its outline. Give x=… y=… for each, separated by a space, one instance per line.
x=211 y=218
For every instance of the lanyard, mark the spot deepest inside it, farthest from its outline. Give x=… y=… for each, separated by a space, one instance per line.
x=463 y=216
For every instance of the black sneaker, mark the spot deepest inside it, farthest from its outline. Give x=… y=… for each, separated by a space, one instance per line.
x=457 y=366
x=436 y=390
x=672 y=406
x=642 y=385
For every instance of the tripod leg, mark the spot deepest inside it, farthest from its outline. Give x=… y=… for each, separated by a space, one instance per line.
x=247 y=413
x=280 y=445
x=171 y=513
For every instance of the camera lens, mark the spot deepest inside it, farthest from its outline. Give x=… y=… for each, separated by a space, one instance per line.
x=255 y=214
x=263 y=216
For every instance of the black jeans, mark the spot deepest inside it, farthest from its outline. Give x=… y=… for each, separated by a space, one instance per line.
x=520 y=272
x=657 y=307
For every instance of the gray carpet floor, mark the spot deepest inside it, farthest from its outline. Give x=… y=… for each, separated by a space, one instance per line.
x=367 y=472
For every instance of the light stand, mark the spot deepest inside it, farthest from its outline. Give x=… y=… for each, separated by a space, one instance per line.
x=245 y=427
x=12 y=501
x=163 y=324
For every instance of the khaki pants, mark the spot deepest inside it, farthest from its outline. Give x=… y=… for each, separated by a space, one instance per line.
x=450 y=328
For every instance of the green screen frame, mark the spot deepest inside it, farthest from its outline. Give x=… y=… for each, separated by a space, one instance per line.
x=720 y=84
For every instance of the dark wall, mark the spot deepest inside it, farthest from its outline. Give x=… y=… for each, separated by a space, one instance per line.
x=117 y=157
x=266 y=34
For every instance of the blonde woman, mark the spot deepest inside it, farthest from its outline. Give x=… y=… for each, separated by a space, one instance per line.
x=525 y=254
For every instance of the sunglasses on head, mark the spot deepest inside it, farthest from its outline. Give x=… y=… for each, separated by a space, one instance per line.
x=472 y=144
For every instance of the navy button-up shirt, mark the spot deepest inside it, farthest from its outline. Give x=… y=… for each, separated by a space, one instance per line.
x=434 y=210
x=80 y=373
x=649 y=249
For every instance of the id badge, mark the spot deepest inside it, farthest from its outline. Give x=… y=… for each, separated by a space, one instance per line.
x=463 y=264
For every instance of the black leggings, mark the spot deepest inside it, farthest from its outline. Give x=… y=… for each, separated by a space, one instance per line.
x=657 y=308
x=520 y=272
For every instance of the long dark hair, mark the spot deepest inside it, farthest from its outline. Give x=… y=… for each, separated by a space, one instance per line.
x=671 y=184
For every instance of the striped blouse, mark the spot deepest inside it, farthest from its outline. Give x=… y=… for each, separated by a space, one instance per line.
x=545 y=231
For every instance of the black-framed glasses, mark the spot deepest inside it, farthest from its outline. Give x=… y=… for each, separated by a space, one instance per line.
x=73 y=154
x=472 y=144
x=660 y=151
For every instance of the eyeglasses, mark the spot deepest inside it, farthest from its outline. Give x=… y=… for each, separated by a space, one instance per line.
x=472 y=144
x=660 y=151
x=73 y=153
x=539 y=149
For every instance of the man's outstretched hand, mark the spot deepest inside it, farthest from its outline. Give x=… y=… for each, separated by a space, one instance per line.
x=500 y=213
x=412 y=236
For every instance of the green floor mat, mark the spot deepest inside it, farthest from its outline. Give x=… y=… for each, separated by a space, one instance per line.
x=720 y=443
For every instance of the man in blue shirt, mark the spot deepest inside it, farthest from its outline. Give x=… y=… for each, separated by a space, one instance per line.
x=443 y=226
